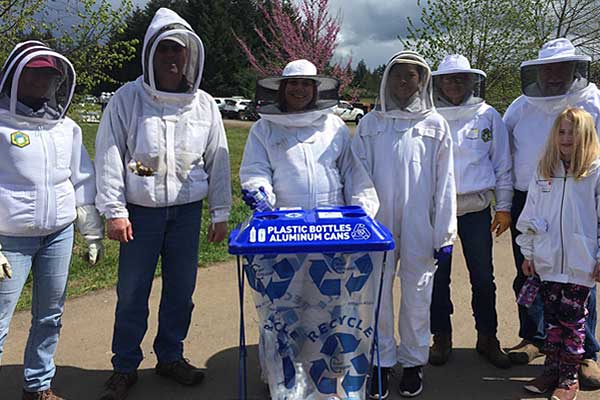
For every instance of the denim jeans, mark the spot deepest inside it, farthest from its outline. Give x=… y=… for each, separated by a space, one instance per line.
x=531 y=320
x=476 y=239
x=48 y=258
x=171 y=233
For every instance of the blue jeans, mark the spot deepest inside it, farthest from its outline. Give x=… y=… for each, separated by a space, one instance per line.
x=476 y=239
x=172 y=233
x=531 y=320
x=48 y=258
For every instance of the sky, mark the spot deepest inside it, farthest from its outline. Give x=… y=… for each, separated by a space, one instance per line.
x=369 y=28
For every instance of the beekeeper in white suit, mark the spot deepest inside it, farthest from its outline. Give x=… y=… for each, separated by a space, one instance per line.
x=161 y=149
x=299 y=151
x=46 y=182
x=407 y=149
x=482 y=170
x=558 y=78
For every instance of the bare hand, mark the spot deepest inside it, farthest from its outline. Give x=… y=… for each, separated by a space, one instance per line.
x=217 y=232
x=528 y=268
x=501 y=222
x=596 y=274
x=120 y=229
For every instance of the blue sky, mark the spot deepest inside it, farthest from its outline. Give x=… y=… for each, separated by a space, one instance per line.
x=369 y=27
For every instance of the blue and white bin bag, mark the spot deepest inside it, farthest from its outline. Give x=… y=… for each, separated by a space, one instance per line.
x=315 y=288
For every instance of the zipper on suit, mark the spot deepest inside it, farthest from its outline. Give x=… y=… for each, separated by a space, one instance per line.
x=562 y=241
x=46 y=198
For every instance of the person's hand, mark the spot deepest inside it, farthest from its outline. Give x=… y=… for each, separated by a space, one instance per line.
x=596 y=274
x=256 y=199
x=120 y=229
x=95 y=251
x=5 y=269
x=528 y=267
x=501 y=222
x=443 y=254
x=217 y=232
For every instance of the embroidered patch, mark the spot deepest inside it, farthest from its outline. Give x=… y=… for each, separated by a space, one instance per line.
x=544 y=185
x=486 y=135
x=19 y=139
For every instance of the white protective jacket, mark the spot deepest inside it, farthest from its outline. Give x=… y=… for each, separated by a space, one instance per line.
x=481 y=157
x=179 y=136
x=409 y=158
x=560 y=226
x=529 y=120
x=45 y=171
x=305 y=160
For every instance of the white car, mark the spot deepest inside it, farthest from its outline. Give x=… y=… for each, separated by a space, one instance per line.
x=234 y=106
x=348 y=112
x=220 y=102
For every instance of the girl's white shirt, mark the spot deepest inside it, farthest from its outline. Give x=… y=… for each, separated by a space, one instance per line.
x=560 y=226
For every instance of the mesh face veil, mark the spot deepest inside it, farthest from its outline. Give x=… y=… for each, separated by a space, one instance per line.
x=270 y=91
x=36 y=82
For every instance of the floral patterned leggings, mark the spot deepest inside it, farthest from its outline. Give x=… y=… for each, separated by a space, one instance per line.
x=564 y=313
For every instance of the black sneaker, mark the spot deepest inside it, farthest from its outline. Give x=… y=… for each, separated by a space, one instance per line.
x=117 y=386
x=411 y=384
x=180 y=371
x=374 y=391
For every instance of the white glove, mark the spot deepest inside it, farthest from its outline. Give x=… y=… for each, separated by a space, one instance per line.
x=91 y=227
x=5 y=269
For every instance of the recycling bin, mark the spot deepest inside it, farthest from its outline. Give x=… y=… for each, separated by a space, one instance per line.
x=315 y=276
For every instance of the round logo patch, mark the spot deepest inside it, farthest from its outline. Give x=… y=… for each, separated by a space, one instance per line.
x=19 y=139
x=486 y=135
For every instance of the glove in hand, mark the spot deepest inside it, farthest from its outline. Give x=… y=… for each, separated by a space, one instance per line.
x=256 y=199
x=443 y=254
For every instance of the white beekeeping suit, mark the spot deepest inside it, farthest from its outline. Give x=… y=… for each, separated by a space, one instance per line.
x=408 y=154
x=46 y=176
x=545 y=94
x=304 y=159
x=156 y=148
x=482 y=164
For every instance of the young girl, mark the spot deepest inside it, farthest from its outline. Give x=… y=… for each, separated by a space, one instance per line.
x=559 y=240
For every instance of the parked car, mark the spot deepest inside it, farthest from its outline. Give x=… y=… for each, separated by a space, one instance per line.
x=251 y=111
x=220 y=102
x=348 y=112
x=234 y=106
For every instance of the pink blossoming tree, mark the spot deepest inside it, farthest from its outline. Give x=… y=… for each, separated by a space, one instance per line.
x=294 y=31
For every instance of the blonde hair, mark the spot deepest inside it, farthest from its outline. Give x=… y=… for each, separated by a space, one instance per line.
x=586 y=148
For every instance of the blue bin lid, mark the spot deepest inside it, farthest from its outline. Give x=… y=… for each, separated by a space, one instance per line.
x=346 y=229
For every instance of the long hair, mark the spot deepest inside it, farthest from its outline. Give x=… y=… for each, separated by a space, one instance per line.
x=586 y=148
x=281 y=95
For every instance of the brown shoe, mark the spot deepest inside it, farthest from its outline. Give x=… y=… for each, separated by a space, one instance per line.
x=181 y=371
x=489 y=347
x=47 y=394
x=440 y=351
x=117 y=386
x=566 y=392
x=589 y=374
x=543 y=383
x=524 y=353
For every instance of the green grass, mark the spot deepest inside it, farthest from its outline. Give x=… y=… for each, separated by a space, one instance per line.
x=84 y=279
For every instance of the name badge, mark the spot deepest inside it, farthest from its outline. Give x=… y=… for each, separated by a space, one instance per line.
x=545 y=185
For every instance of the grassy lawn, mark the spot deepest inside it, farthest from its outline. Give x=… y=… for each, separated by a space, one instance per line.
x=84 y=278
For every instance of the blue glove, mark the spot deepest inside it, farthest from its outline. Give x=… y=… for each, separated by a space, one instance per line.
x=443 y=254
x=256 y=199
